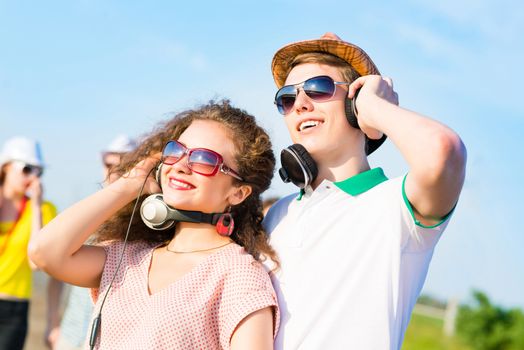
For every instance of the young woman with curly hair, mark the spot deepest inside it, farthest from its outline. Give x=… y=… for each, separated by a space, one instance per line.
x=195 y=285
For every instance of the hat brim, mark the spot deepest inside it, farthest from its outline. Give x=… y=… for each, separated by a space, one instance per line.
x=352 y=54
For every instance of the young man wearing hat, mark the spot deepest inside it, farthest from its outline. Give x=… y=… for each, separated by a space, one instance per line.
x=354 y=246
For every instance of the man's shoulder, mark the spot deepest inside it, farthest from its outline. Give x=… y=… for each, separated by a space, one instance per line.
x=278 y=210
x=388 y=185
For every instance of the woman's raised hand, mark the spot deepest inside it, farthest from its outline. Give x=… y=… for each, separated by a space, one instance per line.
x=145 y=168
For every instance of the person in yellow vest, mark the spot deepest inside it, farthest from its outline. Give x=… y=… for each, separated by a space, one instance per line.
x=23 y=212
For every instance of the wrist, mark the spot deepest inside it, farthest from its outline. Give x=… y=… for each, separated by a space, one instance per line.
x=372 y=109
x=36 y=203
x=126 y=185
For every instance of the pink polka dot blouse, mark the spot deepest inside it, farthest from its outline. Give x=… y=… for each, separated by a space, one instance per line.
x=198 y=311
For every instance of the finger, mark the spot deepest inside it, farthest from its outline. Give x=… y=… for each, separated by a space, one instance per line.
x=355 y=85
x=388 y=81
x=157 y=155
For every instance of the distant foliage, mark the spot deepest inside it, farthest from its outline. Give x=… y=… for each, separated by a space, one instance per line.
x=429 y=300
x=488 y=327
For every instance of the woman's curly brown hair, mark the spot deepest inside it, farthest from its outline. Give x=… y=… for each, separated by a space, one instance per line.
x=255 y=162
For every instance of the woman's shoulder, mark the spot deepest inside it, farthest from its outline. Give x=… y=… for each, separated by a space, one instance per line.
x=237 y=264
x=237 y=254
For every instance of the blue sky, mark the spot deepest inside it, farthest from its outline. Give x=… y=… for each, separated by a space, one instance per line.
x=74 y=74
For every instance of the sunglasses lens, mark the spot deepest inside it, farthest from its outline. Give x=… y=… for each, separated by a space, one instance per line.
x=32 y=170
x=319 y=89
x=172 y=153
x=285 y=99
x=203 y=162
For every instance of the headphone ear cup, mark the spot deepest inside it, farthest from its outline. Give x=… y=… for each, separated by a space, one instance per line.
x=305 y=157
x=225 y=225
x=155 y=212
x=297 y=166
x=351 y=115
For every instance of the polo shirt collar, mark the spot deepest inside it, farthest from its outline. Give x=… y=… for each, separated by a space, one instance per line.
x=356 y=184
x=362 y=182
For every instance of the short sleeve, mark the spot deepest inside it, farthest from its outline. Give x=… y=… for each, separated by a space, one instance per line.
x=247 y=289
x=421 y=237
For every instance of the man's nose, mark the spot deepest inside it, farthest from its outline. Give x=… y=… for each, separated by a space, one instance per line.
x=303 y=102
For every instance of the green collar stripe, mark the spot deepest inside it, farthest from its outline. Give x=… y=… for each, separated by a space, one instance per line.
x=359 y=183
x=362 y=182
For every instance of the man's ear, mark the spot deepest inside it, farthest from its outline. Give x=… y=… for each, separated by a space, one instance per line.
x=239 y=194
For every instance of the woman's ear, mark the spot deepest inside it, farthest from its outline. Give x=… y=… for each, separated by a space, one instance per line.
x=238 y=194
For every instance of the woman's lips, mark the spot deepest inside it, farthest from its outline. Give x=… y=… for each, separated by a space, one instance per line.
x=180 y=184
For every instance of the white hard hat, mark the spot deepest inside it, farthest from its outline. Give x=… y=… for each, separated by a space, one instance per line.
x=121 y=144
x=22 y=149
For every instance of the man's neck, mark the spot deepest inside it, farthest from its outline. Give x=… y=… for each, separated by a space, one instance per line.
x=339 y=171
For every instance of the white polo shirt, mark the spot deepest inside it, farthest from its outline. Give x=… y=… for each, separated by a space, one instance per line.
x=353 y=262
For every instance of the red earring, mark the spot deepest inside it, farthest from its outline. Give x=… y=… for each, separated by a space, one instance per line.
x=225 y=225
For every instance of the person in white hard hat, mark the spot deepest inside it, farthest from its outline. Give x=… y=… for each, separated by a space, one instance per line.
x=114 y=152
x=23 y=212
x=70 y=332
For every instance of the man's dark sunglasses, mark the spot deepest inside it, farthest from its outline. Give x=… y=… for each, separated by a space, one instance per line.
x=319 y=89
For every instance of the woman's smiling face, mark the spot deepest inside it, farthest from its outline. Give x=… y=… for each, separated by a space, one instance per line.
x=186 y=190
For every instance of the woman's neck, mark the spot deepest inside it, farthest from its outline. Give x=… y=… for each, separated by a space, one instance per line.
x=193 y=236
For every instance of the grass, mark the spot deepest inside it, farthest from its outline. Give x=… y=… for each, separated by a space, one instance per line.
x=425 y=333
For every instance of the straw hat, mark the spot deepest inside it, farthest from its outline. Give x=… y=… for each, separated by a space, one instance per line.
x=328 y=43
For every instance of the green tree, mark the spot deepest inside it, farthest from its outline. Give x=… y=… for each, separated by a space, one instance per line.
x=489 y=327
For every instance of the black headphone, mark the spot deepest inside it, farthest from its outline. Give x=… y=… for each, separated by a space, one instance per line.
x=300 y=168
x=351 y=110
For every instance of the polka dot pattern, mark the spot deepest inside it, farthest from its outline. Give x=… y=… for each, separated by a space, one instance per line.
x=198 y=311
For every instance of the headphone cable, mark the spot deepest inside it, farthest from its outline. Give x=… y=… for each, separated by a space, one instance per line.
x=95 y=326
